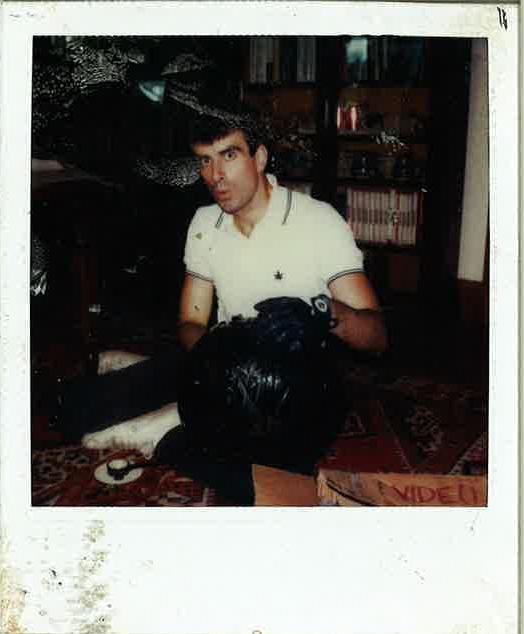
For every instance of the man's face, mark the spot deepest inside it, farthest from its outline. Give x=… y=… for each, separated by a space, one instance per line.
x=231 y=173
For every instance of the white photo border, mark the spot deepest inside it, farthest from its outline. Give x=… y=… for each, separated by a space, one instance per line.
x=338 y=571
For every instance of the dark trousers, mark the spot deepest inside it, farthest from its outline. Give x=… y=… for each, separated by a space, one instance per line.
x=93 y=403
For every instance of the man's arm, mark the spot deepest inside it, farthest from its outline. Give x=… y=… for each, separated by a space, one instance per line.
x=356 y=308
x=196 y=303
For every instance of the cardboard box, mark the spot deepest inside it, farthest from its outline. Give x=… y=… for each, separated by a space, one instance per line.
x=341 y=488
x=275 y=487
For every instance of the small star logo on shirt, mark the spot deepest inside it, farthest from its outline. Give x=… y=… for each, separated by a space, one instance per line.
x=279 y=276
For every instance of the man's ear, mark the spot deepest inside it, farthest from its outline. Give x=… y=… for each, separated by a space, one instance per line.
x=261 y=158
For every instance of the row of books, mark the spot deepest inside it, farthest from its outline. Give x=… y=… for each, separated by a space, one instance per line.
x=276 y=59
x=282 y=59
x=384 y=216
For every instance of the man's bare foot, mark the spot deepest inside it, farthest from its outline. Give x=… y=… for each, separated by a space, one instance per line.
x=142 y=433
x=112 y=360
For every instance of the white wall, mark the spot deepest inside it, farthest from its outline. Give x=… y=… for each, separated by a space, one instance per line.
x=476 y=178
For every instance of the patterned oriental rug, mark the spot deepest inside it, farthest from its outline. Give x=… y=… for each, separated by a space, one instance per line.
x=396 y=424
x=74 y=476
x=411 y=425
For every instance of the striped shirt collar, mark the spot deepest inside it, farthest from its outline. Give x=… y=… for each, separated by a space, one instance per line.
x=279 y=208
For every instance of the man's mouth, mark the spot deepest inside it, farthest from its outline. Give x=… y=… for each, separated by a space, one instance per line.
x=220 y=194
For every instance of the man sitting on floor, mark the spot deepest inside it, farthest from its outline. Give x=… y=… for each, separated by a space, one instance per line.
x=259 y=241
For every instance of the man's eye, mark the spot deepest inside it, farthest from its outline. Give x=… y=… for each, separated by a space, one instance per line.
x=230 y=155
x=204 y=161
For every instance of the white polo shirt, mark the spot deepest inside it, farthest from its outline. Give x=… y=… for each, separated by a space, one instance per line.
x=297 y=249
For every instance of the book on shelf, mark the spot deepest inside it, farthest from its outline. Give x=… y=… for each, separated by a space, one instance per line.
x=383 y=58
x=404 y=58
x=277 y=60
x=284 y=59
x=288 y=59
x=355 y=66
x=374 y=59
x=306 y=58
x=384 y=216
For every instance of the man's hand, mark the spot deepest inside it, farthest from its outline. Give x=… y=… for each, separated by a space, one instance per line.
x=356 y=308
x=292 y=322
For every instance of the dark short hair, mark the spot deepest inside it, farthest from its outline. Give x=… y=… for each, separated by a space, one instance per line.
x=207 y=129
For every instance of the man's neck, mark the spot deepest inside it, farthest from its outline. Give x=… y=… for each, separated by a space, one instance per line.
x=246 y=219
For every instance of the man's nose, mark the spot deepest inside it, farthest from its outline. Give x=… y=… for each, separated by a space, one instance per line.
x=217 y=172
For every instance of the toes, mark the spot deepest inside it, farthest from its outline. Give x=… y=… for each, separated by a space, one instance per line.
x=147 y=451
x=86 y=441
x=97 y=440
x=91 y=441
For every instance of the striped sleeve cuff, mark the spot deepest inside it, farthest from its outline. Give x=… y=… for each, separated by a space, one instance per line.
x=199 y=276
x=342 y=273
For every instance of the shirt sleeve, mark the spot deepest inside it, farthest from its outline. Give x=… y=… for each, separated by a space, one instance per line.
x=198 y=244
x=337 y=251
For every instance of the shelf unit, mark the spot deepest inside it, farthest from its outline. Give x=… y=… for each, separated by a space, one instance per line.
x=363 y=130
x=398 y=120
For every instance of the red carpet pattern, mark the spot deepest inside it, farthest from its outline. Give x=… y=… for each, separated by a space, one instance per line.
x=395 y=424
x=411 y=425
x=65 y=477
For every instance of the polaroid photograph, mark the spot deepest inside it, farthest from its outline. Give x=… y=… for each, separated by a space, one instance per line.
x=259 y=304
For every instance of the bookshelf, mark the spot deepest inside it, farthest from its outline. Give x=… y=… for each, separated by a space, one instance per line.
x=363 y=109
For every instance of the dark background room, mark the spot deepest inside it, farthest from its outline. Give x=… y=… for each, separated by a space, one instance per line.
x=392 y=131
